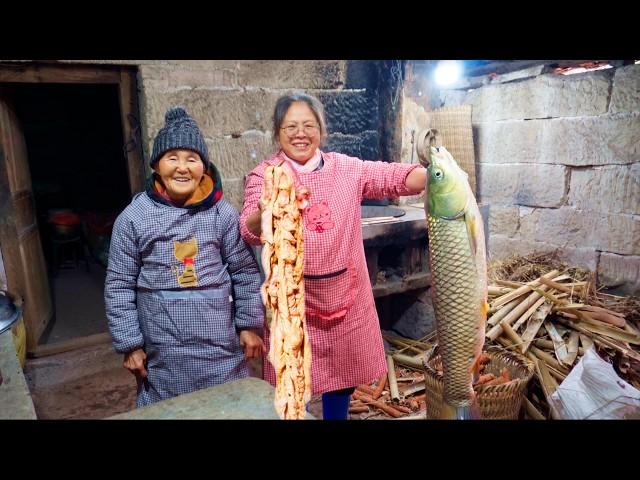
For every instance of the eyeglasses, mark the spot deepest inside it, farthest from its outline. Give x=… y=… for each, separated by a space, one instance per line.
x=308 y=129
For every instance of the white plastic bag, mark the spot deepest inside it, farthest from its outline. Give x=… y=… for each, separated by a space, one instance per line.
x=593 y=390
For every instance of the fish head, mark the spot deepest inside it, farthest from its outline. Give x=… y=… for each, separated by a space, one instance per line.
x=447 y=185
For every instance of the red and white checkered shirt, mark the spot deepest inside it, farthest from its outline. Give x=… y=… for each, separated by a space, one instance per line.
x=342 y=322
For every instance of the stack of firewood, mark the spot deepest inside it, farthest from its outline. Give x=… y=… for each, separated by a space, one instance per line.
x=553 y=320
x=541 y=309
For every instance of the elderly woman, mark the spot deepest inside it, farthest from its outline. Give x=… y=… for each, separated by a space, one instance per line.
x=182 y=289
x=343 y=327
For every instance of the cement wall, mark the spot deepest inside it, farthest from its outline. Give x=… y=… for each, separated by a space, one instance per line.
x=558 y=160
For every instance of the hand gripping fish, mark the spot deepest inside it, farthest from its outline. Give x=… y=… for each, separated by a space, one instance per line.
x=459 y=279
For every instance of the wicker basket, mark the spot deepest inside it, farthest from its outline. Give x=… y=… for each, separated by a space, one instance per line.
x=497 y=402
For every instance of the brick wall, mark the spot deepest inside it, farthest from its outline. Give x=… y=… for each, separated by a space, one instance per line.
x=558 y=160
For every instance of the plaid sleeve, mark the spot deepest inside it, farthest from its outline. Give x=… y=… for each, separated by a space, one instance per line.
x=252 y=192
x=244 y=272
x=120 y=287
x=385 y=180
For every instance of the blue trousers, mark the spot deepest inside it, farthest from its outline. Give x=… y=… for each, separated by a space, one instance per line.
x=335 y=405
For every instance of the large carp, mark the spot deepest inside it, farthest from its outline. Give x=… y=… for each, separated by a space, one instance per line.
x=459 y=279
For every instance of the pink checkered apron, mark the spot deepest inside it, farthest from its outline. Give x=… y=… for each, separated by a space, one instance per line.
x=342 y=322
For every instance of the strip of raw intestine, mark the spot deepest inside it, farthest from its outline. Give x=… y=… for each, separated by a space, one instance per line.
x=283 y=290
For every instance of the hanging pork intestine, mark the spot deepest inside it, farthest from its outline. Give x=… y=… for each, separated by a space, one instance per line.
x=283 y=291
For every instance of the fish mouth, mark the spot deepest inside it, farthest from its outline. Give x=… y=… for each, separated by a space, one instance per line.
x=426 y=139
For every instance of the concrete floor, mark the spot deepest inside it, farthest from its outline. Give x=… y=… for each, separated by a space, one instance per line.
x=86 y=383
x=78 y=297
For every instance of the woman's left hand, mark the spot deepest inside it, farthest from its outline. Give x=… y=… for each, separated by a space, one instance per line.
x=252 y=344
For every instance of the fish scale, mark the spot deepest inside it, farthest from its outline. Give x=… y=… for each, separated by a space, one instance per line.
x=457 y=304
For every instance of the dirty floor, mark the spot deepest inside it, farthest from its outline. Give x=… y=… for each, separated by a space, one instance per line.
x=87 y=383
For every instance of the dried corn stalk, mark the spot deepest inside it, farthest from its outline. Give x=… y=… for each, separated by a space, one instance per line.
x=283 y=292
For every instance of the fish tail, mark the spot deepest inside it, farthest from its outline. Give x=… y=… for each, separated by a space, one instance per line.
x=467 y=412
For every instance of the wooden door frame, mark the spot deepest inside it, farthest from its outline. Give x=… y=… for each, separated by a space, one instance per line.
x=124 y=77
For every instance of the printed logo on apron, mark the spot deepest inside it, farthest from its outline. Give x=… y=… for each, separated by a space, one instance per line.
x=186 y=252
x=318 y=217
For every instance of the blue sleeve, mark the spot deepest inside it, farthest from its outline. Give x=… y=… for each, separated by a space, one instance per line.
x=120 y=287
x=244 y=271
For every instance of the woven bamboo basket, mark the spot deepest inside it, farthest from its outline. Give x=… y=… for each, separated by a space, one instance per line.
x=496 y=402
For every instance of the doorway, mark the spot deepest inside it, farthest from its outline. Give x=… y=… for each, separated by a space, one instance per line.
x=83 y=161
x=79 y=183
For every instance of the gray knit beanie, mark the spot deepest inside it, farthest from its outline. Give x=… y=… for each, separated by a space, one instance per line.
x=180 y=131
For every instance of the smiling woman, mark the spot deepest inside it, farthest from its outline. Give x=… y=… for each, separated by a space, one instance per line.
x=340 y=314
x=181 y=172
x=182 y=290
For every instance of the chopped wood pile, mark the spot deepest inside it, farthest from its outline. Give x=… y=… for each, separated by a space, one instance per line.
x=540 y=308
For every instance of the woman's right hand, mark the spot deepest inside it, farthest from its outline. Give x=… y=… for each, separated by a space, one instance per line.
x=134 y=361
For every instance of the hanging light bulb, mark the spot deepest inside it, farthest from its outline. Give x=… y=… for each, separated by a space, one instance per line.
x=448 y=72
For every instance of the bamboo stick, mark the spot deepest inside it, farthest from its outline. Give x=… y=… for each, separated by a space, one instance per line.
x=501 y=312
x=605 y=317
x=586 y=342
x=408 y=390
x=507 y=343
x=536 y=321
x=555 y=299
x=422 y=344
x=532 y=411
x=572 y=347
x=510 y=284
x=525 y=316
x=561 y=277
x=548 y=359
x=559 y=347
x=496 y=330
x=511 y=333
x=543 y=343
x=629 y=328
x=600 y=340
x=391 y=375
x=558 y=286
x=541 y=380
x=522 y=290
x=603 y=329
x=408 y=361
x=402 y=344
x=494 y=290
x=595 y=308
x=556 y=374
x=549 y=384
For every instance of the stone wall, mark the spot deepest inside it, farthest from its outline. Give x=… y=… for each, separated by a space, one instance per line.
x=233 y=103
x=233 y=100
x=558 y=160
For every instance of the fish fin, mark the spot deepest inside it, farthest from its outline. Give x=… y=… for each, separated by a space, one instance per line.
x=471 y=221
x=475 y=368
x=484 y=308
x=475 y=232
x=469 y=412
